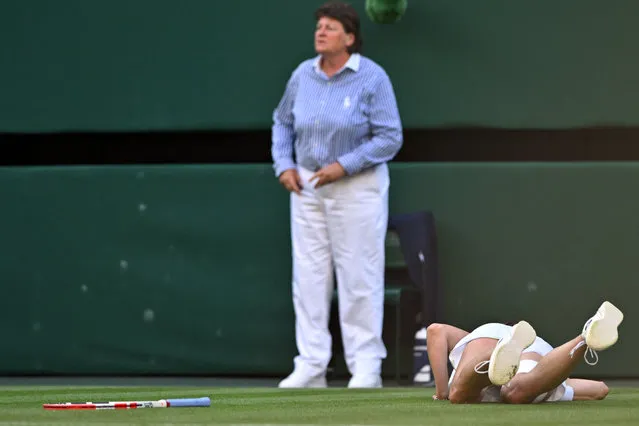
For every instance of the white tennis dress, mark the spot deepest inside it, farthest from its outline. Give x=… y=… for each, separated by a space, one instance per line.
x=492 y=393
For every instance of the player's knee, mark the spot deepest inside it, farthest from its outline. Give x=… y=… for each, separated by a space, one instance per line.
x=602 y=391
x=514 y=394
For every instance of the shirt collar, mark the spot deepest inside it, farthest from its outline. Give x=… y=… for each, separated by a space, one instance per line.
x=352 y=63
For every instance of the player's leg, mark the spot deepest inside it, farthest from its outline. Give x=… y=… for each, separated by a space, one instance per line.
x=599 y=333
x=467 y=384
x=535 y=384
x=587 y=390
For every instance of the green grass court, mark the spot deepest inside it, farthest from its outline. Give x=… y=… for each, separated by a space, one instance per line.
x=22 y=405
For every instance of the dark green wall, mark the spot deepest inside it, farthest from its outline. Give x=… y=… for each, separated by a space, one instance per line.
x=207 y=249
x=160 y=64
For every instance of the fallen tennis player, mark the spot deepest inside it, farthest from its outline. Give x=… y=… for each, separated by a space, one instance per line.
x=511 y=364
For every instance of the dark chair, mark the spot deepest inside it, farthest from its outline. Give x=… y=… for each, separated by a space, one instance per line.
x=410 y=296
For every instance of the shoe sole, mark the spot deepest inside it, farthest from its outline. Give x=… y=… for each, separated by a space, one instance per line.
x=318 y=385
x=602 y=332
x=504 y=361
x=312 y=384
x=372 y=386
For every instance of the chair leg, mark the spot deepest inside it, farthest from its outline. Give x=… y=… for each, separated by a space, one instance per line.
x=398 y=346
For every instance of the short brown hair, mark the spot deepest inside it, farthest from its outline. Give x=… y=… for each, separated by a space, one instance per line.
x=347 y=16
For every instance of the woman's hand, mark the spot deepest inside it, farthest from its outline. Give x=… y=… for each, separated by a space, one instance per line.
x=291 y=180
x=440 y=396
x=328 y=174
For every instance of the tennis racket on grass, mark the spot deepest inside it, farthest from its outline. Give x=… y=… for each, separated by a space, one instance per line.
x=123 y=405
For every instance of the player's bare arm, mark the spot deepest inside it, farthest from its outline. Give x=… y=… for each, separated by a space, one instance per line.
x=442 y=338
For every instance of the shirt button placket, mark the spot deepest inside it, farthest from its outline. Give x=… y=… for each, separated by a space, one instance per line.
x=321 y=109
x=322 y=103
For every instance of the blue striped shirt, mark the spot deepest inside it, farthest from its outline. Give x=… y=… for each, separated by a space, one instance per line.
x=351 y=118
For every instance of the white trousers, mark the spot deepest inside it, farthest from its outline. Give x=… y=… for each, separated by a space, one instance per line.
x=340 y=228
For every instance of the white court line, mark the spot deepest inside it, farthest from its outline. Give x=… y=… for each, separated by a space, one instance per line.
x=2 y=423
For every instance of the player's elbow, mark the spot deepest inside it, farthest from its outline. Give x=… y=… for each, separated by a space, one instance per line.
x=434 y=329
x=457 y=396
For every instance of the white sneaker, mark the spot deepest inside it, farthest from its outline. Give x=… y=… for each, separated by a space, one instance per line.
x=297 y=379
x=600 y=331
x=363 y=381
x=504 y=361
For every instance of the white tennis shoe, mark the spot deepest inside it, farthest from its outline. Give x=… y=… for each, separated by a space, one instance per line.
x=600 y=331
x=299 y=379
x=504 y=361
x=365 y=381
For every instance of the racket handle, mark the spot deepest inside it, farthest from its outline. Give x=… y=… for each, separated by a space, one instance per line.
x=189 y=402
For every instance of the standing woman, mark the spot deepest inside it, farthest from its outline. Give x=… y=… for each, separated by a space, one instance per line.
x=335 y=128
